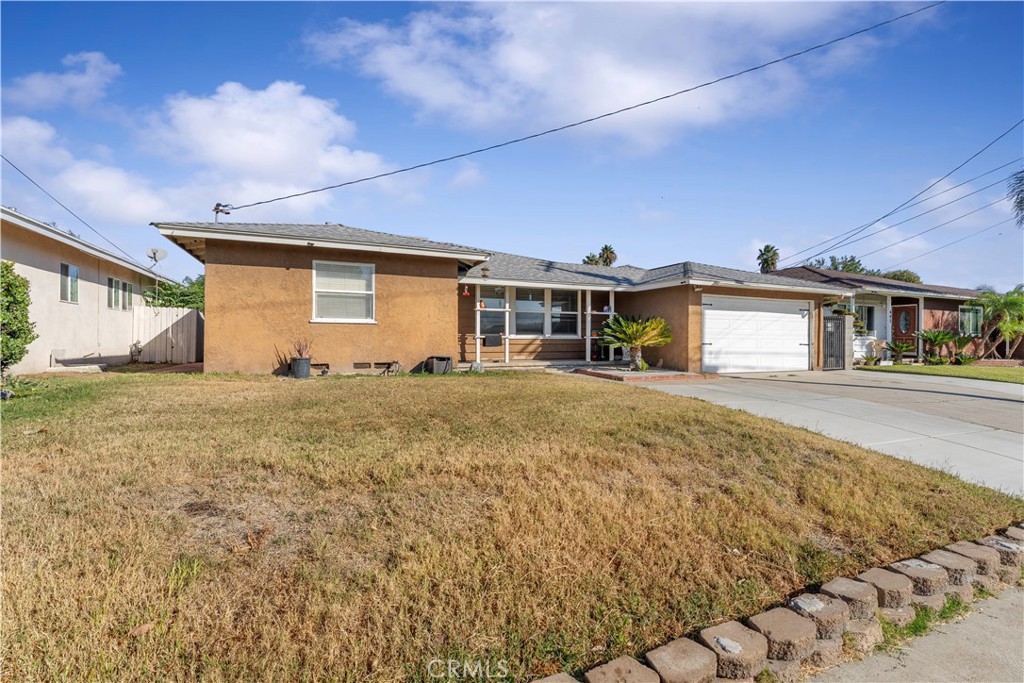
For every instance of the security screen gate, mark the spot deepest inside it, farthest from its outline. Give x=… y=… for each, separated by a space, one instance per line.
x=834 y=342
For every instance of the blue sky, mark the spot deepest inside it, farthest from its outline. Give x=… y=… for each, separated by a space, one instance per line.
x=139 y=112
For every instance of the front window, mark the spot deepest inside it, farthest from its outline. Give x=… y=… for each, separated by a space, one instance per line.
x=866 y=316
x=565 y=312
x=970 y=320
x=492 y=310
x=529 y=311
x=69 y=283
x=343 y=292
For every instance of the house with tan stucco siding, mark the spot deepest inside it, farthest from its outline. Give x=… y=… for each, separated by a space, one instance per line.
x=366 y=298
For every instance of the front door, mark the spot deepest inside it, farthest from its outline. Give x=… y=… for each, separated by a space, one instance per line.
x=904 y=323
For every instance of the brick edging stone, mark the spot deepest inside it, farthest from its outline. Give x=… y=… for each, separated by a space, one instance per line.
x=811 y=628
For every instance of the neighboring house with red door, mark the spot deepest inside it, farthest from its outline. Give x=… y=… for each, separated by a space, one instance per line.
x=893 y=310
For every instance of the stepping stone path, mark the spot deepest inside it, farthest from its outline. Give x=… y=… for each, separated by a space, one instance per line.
x=741 y=653
x=814 y=627
x=684 y=661
x=621 y=670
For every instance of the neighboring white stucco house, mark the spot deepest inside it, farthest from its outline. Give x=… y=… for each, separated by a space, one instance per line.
x=84 y=299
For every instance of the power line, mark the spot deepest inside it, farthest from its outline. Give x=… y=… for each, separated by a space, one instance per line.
x=63 y=206
x=932 y=210
x=909 y=206
x=967 y=237
x=864 y=227
x=940 y=225
x=592 y=119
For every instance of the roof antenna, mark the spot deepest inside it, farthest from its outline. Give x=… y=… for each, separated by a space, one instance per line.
x=219 y=209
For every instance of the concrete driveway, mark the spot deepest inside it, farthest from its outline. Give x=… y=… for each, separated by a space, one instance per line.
x=971 y=428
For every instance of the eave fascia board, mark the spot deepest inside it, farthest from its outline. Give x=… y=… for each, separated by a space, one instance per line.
x=56 y=235
x=739 y=285
x=170 y=231
x=497 y=282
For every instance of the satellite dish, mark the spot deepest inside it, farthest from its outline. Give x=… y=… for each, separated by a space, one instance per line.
x=156 y=254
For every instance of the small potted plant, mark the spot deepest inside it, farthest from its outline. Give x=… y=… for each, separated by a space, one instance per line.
x=301 y=358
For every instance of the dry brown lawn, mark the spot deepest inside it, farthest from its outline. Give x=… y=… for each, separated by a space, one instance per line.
x=235 y=528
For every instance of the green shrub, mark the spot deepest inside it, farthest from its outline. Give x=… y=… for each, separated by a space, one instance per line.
x=16 y=330
x=870 y=360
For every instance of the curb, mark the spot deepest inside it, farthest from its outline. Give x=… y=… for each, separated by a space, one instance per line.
x=813 y=629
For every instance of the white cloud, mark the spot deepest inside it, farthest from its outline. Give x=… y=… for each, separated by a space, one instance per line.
x=528 y=65
x=82 y=83
x=468 y=175
x=252 y=144
x=102 y=191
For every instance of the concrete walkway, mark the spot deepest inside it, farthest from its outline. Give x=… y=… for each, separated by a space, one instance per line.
x=986 y=645
x=971 y=428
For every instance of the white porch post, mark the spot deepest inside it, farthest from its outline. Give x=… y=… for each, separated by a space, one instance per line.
x=586 y=330
x=611 y=314
x=476 y=314
x=506 y=335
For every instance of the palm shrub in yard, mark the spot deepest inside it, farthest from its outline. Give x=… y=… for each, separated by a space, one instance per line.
x=16 y=330
x=935 y=341
x=897 y=349
x=635 y=334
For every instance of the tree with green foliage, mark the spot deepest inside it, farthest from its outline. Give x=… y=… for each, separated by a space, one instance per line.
x=768 y=258
x=852 y=264
x=904 y=276
x=1015 y=193
x=1002 y=314
x=191 y=293
x=605 y=257
x=16 y=330
x=635 y=334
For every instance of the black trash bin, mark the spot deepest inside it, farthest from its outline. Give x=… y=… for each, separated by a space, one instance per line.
x=438 y=365
x=300 y=368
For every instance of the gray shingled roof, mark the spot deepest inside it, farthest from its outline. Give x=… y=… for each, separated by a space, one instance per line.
x=512 y=267
x=872 y=282
x=327 y=231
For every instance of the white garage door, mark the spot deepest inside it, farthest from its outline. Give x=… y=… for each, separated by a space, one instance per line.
x=753 y=335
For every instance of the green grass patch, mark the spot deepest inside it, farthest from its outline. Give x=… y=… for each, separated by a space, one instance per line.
x=925 y=620
x=1014 y=375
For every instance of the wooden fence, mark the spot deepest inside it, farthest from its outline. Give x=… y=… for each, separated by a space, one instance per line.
x=169 y=335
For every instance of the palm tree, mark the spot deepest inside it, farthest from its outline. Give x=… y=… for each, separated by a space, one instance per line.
x=997 y=309
x=607 y=255
x=591 y=259
x=1015 y=193
x=768 y=258
x=635 y=334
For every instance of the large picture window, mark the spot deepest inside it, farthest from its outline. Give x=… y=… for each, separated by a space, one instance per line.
x=971 y=318
x=343 y=292
x=69 y=283
x=546 y=312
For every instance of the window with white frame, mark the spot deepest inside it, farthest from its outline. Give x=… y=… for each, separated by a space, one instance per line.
x=545 y=312
x=69 y=283
x=529 y=317
x=343 y=292
x=971 y=318
x=492 y=310
x=119 y=294
x=565 y=312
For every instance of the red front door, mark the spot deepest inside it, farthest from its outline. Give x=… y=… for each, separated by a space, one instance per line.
x=904 y=323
